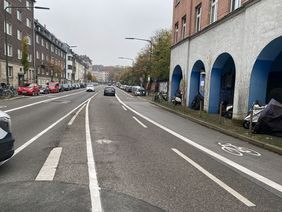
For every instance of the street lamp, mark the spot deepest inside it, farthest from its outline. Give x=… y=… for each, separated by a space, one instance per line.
x=6 y=36
x=126 y=58
x=151 y=48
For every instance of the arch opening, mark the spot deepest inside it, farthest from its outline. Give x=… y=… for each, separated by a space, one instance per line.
x=175 y=81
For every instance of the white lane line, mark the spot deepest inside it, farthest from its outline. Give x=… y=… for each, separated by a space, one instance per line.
x=216 y=180
x=74 y=117
x=43 y=101
x=93 y=181
x=231 y=163
x=143 y=125
x=48 y=170
x=26 y=144
x=124 y=108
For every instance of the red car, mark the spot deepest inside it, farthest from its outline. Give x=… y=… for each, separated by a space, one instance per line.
x=29 y=89
x=54 y=87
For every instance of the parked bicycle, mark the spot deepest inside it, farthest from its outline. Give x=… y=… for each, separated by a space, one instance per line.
x=7 y=91
x=238 y=151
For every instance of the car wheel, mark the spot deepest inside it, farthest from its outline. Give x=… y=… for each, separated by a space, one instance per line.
x=33 y=93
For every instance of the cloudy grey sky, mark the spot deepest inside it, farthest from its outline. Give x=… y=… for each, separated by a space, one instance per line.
x=98 y=27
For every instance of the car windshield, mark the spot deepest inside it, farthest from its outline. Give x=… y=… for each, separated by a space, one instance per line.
x=141 y=105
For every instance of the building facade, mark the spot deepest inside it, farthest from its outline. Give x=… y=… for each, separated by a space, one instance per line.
x=227 y=51
x=19 y=25
x=50 y=56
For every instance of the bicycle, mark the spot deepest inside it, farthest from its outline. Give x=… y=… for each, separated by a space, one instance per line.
x=238 y=151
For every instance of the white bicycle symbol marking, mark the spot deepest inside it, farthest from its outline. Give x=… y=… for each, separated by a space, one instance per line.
x=237 y=150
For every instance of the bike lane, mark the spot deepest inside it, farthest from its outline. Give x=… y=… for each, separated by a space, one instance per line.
x=268 y=164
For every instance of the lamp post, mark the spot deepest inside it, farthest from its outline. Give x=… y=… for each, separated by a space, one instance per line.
x=6 y=36
x=126 y=58
x=150 y=55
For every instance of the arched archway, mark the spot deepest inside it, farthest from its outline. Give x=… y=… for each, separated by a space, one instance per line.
x=266 y=78
x=175 y=80
x=197 y=81
x=222 y=82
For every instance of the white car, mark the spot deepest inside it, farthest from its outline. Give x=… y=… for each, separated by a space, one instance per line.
x=6 y=138
x=90 y=88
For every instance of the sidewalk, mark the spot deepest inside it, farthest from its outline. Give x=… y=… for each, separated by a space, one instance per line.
x=230 y=127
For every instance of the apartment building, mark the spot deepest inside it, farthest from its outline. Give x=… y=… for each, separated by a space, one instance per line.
x=50 y=56
x=19 y=25
x=228 y=51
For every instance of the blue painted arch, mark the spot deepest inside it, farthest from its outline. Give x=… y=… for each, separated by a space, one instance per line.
x=197 y=76
x=266 y=75
x=175 y=80
x=222 y=82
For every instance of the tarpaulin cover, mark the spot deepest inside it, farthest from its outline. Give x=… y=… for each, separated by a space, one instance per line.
x=270 y=120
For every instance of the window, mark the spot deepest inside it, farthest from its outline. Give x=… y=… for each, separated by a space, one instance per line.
x=47 y=58
x=10 y=71
x=37 y=39
x=47 y=45
x=19 y=15
x=69 y=58
x=198 y=18
x=52 y=48
x=177 y=2
x=42 y=56
x=10 y=50
x=234 y=4
x=28 y=5
x=28 y=22
x=30 y=58
x=183 y=27
x=176 y=32
x=37 y=55
x=213 y=11
x=28 y=40
x=42 y=42
x=7 y=4
x=69 y=67
x=19 y=35
x=8 y=29
x=38 y=70
x=20 y=54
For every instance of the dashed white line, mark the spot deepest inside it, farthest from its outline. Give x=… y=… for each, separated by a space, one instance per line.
x=227 y=161
x=49 y=168
x=29 y=142
x=76 y=114
x=143 y=125
x=93 y=181
x=216 y=180
x=124 y=108
x=43 y=101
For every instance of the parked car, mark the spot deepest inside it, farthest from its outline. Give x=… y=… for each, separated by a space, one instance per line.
x=90 y=88
x=44 y=89
x=128 y=88
x=54 y=87
x=109 y=91
x=66 y=87
x=29 y=89
x=138 y=91
x=6 y=138
x=122 y=87
x=61 y=88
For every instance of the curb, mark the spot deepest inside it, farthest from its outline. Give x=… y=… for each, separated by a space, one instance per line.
x=269 y=147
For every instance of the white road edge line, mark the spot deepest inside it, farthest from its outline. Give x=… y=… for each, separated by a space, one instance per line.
x=215 y=179
x=26 y=144
x=227 y=161
x=76 y=114
x=43 y=101
x=48 y=170
x=94 y=188
x=124 y=108
x=143 y=125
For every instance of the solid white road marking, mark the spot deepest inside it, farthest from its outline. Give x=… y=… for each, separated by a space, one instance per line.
x=104 y=141
x=231 y=163
x=43 y=101
x=26 y=144
x=74 y=117
x=93 y=181
x=124 y=108
x=215 y=179
x=49 y=168
x=143 y=125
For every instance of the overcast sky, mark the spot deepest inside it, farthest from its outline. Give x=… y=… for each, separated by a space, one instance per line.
x=98 y=27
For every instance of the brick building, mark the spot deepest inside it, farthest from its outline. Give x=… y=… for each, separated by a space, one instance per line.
x=50 y=56
x=19 y=25
x=227 y=51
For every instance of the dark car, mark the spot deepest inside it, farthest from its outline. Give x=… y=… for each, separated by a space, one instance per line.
x=6 y=138
x=66 y=87
x=44 y=89
x=109 y=91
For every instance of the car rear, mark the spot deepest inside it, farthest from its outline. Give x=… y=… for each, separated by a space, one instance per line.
x=109 y=91
x=90 y=88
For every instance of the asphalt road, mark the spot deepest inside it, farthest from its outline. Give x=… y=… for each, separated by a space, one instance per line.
x=123 y=154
